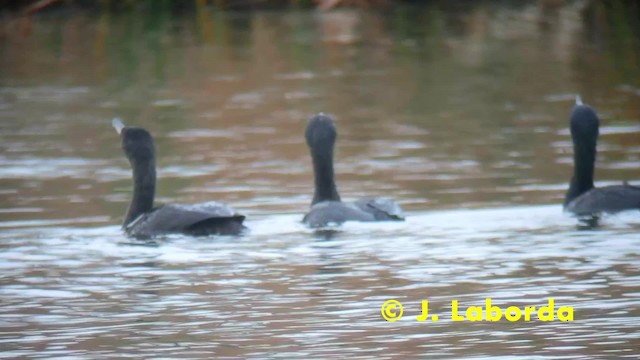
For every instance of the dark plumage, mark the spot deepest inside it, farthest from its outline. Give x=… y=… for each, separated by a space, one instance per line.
x=583 y=198
x=142 y=220
x=326 y=207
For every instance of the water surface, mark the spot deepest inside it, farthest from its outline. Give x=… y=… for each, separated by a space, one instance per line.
x=458 y=112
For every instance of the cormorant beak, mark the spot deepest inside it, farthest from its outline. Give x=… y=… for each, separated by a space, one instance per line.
x=118 y=125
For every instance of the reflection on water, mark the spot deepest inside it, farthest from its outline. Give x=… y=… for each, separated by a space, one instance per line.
x=458 y=111
x=84 y=292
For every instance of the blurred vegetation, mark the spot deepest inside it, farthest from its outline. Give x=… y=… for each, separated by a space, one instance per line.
x=32 y=6
x=186 y=6
x=130 y=40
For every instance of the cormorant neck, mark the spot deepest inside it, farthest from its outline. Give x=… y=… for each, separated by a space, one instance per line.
x=324 y=178
x=584 y=158
x=144 y=189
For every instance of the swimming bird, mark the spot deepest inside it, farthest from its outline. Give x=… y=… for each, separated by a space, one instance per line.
x=326 y=206
x=142 y=220
x=583 y=198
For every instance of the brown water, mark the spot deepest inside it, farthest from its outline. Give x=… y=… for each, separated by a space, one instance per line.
x=459 y=112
